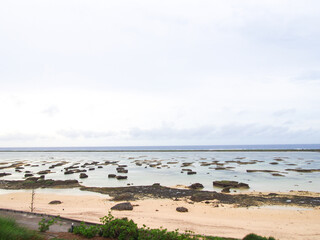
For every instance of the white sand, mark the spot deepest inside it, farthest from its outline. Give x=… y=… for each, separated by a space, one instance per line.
x=202 y=218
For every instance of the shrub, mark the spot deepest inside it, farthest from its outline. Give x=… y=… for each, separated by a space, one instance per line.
x=253 y=236
x=44 y=224
x=86 y=231
x=122 y=229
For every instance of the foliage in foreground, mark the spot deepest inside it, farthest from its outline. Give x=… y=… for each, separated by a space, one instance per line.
x=10 y=230
x=45 y=224
x=253 y=236
x=124 y=229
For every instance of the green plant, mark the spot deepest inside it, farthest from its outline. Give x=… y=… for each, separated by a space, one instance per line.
x=122 y=229
x=10 y=230
x=86 y=231
x=253 y=236
x=164 y=234
x=45 y=224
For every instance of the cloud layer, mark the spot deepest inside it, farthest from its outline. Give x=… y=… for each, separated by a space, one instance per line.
x=159 y=73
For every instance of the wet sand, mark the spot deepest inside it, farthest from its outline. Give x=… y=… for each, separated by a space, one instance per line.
x=224 y=220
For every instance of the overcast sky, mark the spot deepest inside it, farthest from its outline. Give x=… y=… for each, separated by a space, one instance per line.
x=110 y=73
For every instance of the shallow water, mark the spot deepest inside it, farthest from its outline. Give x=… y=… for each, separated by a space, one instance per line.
x=171 y=175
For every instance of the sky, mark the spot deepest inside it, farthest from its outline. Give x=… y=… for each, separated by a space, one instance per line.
x=145 y=73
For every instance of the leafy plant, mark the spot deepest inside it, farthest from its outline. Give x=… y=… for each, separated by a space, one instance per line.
x=86 y=231
x=253 y=236
x=122 y=229
x=45 y=224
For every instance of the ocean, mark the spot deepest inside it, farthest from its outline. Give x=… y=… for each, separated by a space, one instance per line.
x=273 y=170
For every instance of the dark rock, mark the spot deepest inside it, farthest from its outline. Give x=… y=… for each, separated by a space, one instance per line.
x=122 y=170
x=226 y=190
x=121 y=177
x=122 y=166
x=186 y=164
x=91 y=169
x=111 y=176
x=277 y=175
x=100 y=167
x=274 y=163
x=181 y=209
x=204 y=164
x=44 y=172
x=156 y=185
x=266 y=171
x=4 y=174
x=220 y=168
x=191 y=173
x=28 y=175
x=55 y=202
x=304 y=170
x=69 y=172
x=230 y=184
x=202 y=196
x=83 y=175
x=196 y=186
x=126 y=206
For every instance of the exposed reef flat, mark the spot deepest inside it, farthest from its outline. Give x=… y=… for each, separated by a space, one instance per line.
x=38 y=183
x=242 y=200
x=158 y=191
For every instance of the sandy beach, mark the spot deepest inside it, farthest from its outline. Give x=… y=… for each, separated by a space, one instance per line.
x=225 y=220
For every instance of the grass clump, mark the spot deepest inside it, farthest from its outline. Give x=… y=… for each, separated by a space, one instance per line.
x=9 y=230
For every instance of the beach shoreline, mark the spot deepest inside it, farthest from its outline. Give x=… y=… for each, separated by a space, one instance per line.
x=205 y=217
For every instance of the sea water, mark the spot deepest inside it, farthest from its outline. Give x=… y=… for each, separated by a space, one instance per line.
x=171 y=174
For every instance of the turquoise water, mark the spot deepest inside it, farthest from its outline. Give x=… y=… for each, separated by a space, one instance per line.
x=171 y=175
